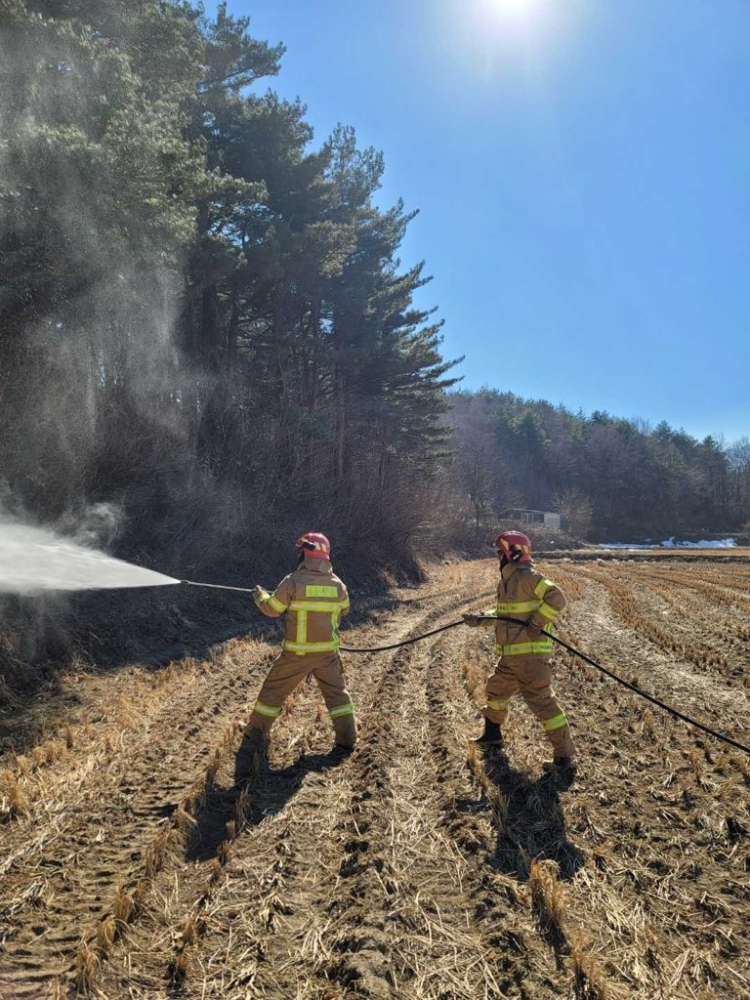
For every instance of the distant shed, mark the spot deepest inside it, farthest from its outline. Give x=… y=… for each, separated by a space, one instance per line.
x=546 y=517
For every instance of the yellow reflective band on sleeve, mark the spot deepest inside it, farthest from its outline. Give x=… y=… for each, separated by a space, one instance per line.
x=268 y=710
x=328 y=607
x=548 y=612
x=557 y=723
x=275 y=603
x=542 y=587
x=338 y=710
x=517 y=607
x=498 y=706
x=312 y=590
x=310 y=647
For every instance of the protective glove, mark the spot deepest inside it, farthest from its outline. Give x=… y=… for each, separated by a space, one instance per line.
x=257 y=592
x=471 y=620
x=534 y=632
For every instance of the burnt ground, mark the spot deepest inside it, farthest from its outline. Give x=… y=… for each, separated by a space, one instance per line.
x=416 y=868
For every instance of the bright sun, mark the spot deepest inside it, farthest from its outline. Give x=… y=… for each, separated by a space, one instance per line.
x=515 y=9
x=516 y=16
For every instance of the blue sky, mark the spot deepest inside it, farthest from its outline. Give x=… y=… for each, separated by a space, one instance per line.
x=582 y=171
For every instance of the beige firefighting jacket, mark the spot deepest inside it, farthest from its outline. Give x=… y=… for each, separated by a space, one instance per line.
x=314 y=600
x=525 y=593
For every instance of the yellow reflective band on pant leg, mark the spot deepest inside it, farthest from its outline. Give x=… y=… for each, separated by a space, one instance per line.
x=268 y=710
x=555 y=723
x=338 y=710
x=498 y=706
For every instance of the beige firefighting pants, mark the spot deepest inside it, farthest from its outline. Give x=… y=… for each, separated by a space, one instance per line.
x=531 y=676
x=287 y=672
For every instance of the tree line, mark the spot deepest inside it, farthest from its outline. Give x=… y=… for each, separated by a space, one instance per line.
x=204 y=322
x=205 y=319
x=609 y=477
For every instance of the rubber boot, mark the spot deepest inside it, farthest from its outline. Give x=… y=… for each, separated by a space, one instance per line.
x=563 y=769
x=345 y=729
x=246 y=763
x=492 y=735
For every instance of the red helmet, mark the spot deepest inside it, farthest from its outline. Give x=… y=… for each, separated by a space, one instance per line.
x=315 y=545
x=515 y=546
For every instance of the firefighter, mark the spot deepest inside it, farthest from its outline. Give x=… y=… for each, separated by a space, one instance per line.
x=313 y=599
x=524 y=651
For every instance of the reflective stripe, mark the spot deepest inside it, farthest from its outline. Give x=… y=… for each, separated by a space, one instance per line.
x=548 y=612
x=524 y=648
x=338 y=710
x=327 y=607
x=345 y=605
x=556 y=723
x=268 y=710
x=312 y=590
x=498 y=706
x=302 y=627
x=517 y=607
x=310 y=647
x=275 y=603
x=542 y=587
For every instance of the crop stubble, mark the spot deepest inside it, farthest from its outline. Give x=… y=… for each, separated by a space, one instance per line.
x=418 y=867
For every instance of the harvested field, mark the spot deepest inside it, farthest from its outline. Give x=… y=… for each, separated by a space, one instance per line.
x=731 y=554
x=418 y=868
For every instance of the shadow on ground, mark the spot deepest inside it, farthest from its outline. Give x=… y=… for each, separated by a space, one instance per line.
x=534 y=821
x=269 y=791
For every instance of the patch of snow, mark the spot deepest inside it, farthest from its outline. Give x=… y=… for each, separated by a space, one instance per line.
x=720 y=543
x=670 y=543
x=624 y=545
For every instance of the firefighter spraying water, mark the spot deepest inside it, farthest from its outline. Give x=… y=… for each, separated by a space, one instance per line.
x=313 y=599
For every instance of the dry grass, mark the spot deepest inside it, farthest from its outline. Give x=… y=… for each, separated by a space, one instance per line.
x=548 y=899
x=589 y=982
x=86 y=970
x=415 y=868
x=13 y=800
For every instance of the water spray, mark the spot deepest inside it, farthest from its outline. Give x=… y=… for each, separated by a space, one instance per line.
x=36 y=559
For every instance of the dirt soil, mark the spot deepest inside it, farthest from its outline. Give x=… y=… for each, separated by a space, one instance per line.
x=417 y=868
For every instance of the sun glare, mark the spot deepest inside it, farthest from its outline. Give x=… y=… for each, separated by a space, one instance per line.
x=514 y=8
x=519 y=15
x=534 y=27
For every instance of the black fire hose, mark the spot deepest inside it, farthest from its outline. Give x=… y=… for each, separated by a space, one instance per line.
x=397 y=645
x=515 y=621
x=576 y=652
